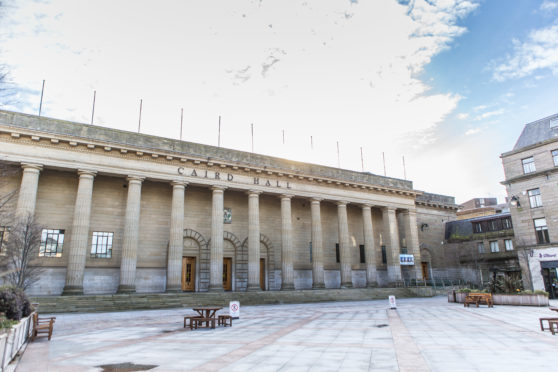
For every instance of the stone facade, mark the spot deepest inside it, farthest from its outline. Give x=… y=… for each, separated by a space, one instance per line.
x=531 y=171
x=164 y=200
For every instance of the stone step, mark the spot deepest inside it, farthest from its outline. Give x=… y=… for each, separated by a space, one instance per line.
x=141 y=301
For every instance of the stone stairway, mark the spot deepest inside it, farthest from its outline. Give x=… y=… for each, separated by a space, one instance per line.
x=139 y=301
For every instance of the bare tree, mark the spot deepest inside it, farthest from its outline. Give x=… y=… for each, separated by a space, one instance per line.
x=21 y=248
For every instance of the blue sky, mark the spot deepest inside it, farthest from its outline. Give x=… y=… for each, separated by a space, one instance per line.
x=446 y=84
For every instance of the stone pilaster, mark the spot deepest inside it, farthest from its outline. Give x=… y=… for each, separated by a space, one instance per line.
x=411 y=238
x=216 y=245
x=174 y=264
x=131 y=236
x=287 y=273
x=369 y=248
x=79 y=237
x=392 y=244
x=317 y=246
x=344 y=248
x=253 y=241
x=27 y=197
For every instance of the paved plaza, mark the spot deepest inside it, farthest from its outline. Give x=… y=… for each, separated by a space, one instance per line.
x=423 y=334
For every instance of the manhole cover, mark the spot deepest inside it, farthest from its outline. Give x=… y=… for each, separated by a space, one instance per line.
x=381 y=325
x=126 y=367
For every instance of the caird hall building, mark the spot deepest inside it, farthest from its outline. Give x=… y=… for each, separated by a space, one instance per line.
x=124 y=212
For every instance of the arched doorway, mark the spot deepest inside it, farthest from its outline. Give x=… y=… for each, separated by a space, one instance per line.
x=195 y=262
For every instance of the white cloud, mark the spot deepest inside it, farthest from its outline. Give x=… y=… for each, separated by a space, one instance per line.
x=472 y=131
x=305 y=67
x=486 y=115
x=548 y=6
x=538 y=52
x=462 y=116
x=480 y=107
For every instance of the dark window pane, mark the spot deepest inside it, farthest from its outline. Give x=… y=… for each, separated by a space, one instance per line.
x=362 y=257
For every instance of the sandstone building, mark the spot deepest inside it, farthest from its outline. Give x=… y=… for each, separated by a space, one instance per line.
x=124 y=212
x=531 y=171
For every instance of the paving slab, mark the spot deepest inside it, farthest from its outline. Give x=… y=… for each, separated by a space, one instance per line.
x=422 y=334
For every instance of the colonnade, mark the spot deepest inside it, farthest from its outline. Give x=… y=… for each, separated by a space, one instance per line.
x=80 y=236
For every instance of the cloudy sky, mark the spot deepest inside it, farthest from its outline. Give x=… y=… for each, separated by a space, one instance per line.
x=446 y=84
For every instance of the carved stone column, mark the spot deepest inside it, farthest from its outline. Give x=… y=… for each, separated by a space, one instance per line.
x=253 y=241
x=131 y=236
x=317 y=246
x=369 y=248
x=27 y=197
x=287 y=273
x=79 y=237
x=174 y=264
x=216 y=246
x=411 y=238
x=344 y=248
x=392 y=244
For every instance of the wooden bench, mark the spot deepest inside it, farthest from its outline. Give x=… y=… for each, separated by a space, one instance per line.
x=541 y=320
x=479 y=298
x=42 y=325
x=224 y=319
x=191 y=321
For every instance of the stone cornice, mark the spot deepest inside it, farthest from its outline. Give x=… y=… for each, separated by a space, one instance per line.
x=52 y=140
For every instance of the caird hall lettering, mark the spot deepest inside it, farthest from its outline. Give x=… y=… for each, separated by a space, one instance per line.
x=230 y=177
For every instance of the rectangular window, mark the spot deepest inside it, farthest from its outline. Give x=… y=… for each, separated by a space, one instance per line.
x=541 y=230
x=535 y=198
x=337 y=252
x=384 y=254
x=555 y=157
x=51 y=243
x=528 y=165
x=494 y=225
x=3 y=231
x=480 y=247
x=506 y=223
x=494 y=246
x=361 y=251
x=477 y=227
x=509 y=244
x=101 y=244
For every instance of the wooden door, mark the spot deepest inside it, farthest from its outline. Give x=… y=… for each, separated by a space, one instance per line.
x=189 y=274
x=425 y=270
x=262 y=274
x=227 y=274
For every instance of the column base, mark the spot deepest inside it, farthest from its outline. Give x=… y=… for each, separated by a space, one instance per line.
x=124 y=289
x=346 y=285
x=318 y=286
x=253 y=288
x=372 y=285
x=287 y=287
x=72 y=290
x=216 y=288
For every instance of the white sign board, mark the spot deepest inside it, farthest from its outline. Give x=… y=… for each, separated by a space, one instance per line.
x=392 y=303
x=234 y=309
x=406 y=259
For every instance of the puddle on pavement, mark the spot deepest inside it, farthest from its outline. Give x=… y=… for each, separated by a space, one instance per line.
x=126 y=367
x=381 y=325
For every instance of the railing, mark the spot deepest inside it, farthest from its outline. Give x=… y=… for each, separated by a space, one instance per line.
x=437 y=283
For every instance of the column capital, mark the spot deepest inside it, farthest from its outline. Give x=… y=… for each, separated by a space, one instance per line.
x=389 y=209
x=410 y=211
x=286 y=196
x=341 y=203
x=179 y=183
x=32 y=166
x=366 y=206
x=218 y=188
x=316 y=200
x=253 y=193
x=86 y=172
x=135 y=179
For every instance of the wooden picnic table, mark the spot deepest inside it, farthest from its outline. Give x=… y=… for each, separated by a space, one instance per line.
x=207 y=313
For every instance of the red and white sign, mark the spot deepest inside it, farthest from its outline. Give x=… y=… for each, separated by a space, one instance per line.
x=234 y=309
x=392 y=303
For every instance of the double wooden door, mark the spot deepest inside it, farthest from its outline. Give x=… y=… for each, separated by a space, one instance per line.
x=227 y=274
x=189 y=274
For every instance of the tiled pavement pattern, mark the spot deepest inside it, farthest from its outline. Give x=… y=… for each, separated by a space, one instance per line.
x=421 y=335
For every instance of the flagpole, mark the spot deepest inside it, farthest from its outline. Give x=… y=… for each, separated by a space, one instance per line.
x=93 y=110
x=41 y=103
x=181 y=120
x=139 y=122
